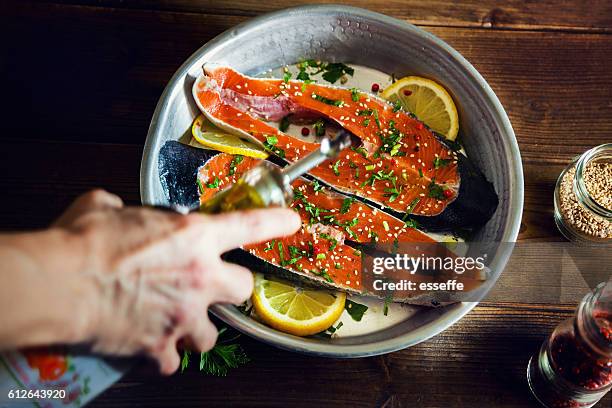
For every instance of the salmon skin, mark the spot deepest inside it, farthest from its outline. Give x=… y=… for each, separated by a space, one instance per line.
x=326 y=251
x=399 y=165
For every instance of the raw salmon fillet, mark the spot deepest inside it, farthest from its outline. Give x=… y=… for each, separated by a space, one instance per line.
x=400 y=163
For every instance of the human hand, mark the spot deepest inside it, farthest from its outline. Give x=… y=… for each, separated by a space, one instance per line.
x=153 y=274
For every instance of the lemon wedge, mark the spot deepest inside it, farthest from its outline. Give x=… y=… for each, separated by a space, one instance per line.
x=293 y=309
x=429 y=101
x=210 y=136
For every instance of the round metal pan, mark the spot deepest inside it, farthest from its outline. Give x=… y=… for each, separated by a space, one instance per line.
x=353 y=35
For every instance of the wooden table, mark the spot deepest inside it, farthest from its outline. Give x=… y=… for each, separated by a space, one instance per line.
x=80 y=82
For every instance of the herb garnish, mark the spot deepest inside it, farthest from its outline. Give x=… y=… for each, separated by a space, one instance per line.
x=234 y=163
x=214 y=183
x=438 y=162
x=362 y=151
x=412 y=205
x=319 y=127
x=355 y=310
x=323 y=273
x=346 y=205
x=397 y=106
x=200 y=186
x=335 y=70
x=270 y=143
x=388 y=300
x=334 y=102
x=355 y=94
x=436 y=191
x=335 y=168
x=224 y=356
x=284 y=123
x=333 y=242
x=286 y=76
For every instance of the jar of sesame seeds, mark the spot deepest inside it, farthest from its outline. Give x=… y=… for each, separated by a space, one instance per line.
x=583 y=197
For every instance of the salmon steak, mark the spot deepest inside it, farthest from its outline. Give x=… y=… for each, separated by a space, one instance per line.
x=327 y=251
x=397 y=163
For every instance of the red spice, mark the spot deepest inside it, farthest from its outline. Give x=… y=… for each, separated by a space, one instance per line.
x=305 y=131
x=407 y=92
x=375 y=87
x=448 y=193
x=317 y=249
x=420 y=126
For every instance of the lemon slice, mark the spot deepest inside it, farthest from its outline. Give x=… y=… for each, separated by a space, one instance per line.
x=208 y=135
x=293 y=309
x=429 y=101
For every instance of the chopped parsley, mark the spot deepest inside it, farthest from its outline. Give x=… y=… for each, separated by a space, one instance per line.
x=224 y=356
x=214 y=183
x=319 y=127
x=286 y=76
x=323 y=273
x=284 y=124
x=362 y=151
x=355 y=310
x=355 y=94
x=234 y=163
x=270 y=246
x=335 y=70
x=270 y=143
x=346 y=205
x=332 y=241
x=364 y=112
x=334 y=102
x=438 y=162
x=388 y=300
x=435 y=191
x=397 y=106
x=366 y=122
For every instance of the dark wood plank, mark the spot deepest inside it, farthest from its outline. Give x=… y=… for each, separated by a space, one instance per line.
x=100 y=72
x=514 y=14
x=479 y=362
x=41 y=178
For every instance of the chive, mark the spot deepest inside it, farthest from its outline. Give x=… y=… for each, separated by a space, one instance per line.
x=200 y=186
x=420 y=173
x=360 y=150
x=366 y=122
x=370 y=167
x=334 y=102
x=436 y=191
x=346 y=205
x=338 y=266
x=412 y=205
x=335 y=168
x=438 y=162
x=386 y=226
x=376 y=119
x=355 y=94
x=321 y=256
x=281 y=252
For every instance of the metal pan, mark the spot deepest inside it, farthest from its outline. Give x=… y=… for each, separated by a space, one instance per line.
x=348 y=34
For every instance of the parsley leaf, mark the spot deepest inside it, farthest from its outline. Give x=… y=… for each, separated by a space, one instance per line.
x=355 y=94
x=319 y=127
x=224 y=356
x=284 y=124
x=355 y=310
x=436 y=191
x=214 y=183
x=335 y=70
x=346 y=205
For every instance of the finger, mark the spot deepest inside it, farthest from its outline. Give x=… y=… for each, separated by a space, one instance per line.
x=203 y=336
x=246 y=227
x=232 y=284
x=168 y=359
x=93 y=200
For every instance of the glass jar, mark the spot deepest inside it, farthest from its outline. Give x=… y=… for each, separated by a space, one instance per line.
x=580 y=217
x=573 y=368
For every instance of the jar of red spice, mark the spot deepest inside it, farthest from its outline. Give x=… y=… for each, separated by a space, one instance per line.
x=574 y=365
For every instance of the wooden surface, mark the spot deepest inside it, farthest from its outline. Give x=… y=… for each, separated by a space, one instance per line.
x=80 y=82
